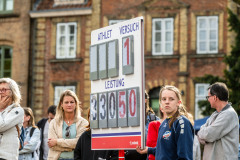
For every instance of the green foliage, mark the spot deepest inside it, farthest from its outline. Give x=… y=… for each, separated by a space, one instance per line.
x=236 y=1
x=231 y=75
x=207 y=78
x=204 y=105
x=205 y=108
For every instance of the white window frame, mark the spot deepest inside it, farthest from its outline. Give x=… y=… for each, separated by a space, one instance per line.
x=4 y=4
x=67 y=40
x=58 y=91
x=111 y=22
x=199 y=97
x=207 y=30
x=63 y=2
x=163 y=36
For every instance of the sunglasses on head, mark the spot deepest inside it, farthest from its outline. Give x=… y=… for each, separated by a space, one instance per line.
x=67 y=134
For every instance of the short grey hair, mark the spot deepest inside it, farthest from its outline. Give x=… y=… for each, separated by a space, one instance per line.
x=16 y=97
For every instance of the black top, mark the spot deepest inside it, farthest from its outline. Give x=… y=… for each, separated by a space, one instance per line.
x=83 y=150
x=41 y=125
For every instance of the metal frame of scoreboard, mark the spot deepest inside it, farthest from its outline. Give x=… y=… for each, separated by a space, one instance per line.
x=117 y=112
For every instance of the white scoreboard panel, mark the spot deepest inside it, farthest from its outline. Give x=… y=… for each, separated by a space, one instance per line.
x=117 y=114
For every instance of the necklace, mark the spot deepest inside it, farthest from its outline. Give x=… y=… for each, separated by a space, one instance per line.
x=67 y=121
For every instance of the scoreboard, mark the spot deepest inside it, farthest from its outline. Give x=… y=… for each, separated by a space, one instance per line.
x=117 y=112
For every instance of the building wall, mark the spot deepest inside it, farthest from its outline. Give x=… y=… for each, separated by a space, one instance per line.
x=49 y=71
x=178 y=69
x=185 y=64
x=15 y=32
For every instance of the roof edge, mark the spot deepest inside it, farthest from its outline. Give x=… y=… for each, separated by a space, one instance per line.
x=60 y=12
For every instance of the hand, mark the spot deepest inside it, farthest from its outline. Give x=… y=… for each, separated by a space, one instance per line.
x=52 y=142
x=5 y=101
x=25 y=143
x=141 y=151
x=201 y=140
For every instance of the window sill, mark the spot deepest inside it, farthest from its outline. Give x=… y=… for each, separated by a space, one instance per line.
x=207 y=55
x=9 y=15
x=162 y=57
x=70 y=60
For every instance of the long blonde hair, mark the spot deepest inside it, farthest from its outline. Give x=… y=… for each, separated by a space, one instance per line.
x=88 y=119
x=28 y=112
x=147 y=107
x=181 y=108
x=59 y=111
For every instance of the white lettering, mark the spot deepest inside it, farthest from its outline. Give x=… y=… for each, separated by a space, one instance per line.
x=133 y=143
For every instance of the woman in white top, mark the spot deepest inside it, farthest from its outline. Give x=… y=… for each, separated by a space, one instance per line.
x=11 y=119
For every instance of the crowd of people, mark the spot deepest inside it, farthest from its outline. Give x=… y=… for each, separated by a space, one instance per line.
x=65 y=135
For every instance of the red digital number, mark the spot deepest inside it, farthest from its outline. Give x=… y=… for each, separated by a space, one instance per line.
x=126 y=44
x=132 y=101
x=122 y=105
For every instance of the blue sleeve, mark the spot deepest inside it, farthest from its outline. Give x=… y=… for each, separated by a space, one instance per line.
x=184 y=138
x=33 y=143
x=151 y=150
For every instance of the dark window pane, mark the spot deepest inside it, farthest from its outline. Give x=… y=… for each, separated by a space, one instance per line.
x=7 y=74
x=71 y=28
x=7 y=53
x=7 y=65
x=5 y=61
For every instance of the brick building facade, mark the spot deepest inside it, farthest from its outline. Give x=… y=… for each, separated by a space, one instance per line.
x=184 y=39
x=15 y=43
x=61 y=48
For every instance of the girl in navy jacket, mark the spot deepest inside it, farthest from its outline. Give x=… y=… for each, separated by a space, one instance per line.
x=175 y=135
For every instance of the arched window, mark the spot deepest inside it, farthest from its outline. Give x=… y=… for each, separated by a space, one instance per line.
x=5 y=61
x=154 y=99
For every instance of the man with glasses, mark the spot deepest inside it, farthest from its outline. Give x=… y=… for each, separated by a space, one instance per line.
x=220 y=134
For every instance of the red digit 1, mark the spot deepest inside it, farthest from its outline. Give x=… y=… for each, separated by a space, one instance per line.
x=122 y=104
x=132 y=110
x=126 y=44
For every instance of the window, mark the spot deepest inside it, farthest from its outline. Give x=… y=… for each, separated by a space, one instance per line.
x=154 y=100
x=207 y=34
x=66 y=40
x=5 y=61
x=63 y=2
x=200 y=94
x=162 y=36
x=111 y=22
x=58 y=91
x=6 y=5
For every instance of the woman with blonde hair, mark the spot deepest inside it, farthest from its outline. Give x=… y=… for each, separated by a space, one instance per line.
x=175 y=135
x=66 y=127
x=32 y=136
x=11 y=119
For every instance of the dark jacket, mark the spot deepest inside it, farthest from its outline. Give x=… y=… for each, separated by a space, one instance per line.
x=41 y=125
x=175 y=142
x=83 y=150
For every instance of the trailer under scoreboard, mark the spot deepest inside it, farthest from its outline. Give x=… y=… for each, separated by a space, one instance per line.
x=117 y=114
